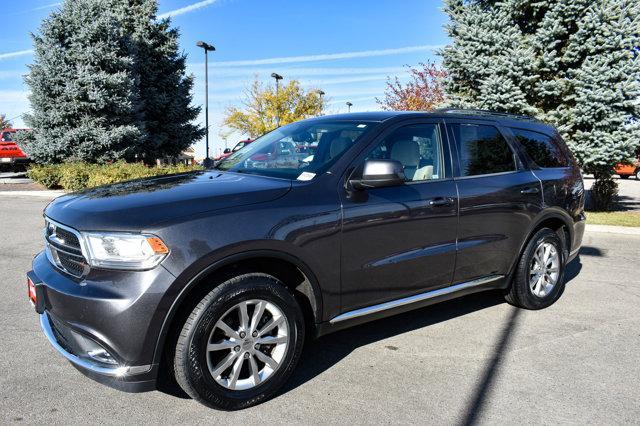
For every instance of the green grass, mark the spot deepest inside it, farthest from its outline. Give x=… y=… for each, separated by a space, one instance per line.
x=614 y=218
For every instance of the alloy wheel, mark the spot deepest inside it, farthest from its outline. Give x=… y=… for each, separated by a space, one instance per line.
x=247 y=344
x=544 y=269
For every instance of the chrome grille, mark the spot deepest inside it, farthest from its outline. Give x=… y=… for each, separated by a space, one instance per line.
x=64 y=249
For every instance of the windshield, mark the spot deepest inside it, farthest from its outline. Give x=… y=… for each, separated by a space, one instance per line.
x=297 y=151
x=7 y=137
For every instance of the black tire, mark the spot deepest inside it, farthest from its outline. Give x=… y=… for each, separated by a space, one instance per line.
x=520 y=293
x=190 y=361
x=624 y=176
x=638 y=174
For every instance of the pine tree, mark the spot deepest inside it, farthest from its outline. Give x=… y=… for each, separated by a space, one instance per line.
x=4 y=123
x=164 y=89
x=108 y=83
x=573 y=63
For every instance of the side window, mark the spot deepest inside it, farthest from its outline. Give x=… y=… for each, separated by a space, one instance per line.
x=482 y=150
x=418 y=147
x=542 y=149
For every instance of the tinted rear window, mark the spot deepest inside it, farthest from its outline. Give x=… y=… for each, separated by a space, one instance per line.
x=542 y=149
x=482 y=150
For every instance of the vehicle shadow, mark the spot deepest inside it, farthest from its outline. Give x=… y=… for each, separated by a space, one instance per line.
x=573 y=269
x=323 y=353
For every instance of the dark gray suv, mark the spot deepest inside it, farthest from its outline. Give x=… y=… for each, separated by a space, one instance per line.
x=214 y=279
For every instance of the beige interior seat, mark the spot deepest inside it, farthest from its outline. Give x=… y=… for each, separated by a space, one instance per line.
x=424 y=173
x=408 y=153
x=338 y=145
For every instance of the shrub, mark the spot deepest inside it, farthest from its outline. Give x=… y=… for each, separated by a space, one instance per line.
x=48 y=176
x=603 y=194
x=77 y=176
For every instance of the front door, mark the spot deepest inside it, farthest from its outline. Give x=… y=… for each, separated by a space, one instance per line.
x=399 y=241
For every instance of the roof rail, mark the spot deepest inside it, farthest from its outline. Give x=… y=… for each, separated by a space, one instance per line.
x=485 y=112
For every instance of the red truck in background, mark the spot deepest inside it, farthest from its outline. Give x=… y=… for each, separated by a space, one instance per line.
x=227 y=152
x=11 y=156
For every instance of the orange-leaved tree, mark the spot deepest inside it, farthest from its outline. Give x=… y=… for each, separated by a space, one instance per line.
x=423 y=92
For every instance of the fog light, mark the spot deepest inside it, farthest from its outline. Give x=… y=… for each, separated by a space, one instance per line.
x=102 y=355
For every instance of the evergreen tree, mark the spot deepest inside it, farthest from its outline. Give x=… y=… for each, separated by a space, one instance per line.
x=4 y=123
x=573 y=63
x=164 y=90
x=108 y=83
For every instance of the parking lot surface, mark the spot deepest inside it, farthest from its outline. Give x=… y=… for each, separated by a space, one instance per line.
x=474 y=360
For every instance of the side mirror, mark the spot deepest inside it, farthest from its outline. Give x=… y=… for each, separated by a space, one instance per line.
x=227 y=150
x=378 y=174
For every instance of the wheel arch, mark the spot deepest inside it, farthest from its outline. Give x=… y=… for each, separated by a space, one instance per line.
x=289 y=269
x=557 y=220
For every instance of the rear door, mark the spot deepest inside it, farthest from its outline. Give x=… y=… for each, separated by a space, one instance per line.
x=552 y=162
x=399 y=241
x=498 y=199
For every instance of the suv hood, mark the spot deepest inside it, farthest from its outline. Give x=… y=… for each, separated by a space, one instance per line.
x=136 y=205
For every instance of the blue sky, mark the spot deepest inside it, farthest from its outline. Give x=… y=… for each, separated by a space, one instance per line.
x=347 y=47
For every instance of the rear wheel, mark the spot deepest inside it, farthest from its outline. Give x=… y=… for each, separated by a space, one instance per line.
x=638 y=174
x=539 y=277
x=240 y=343
x=624 y=176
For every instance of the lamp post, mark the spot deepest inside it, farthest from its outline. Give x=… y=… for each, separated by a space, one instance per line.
x=321 y=94
x=349 y=105
x=207 y=48
x=277 y=77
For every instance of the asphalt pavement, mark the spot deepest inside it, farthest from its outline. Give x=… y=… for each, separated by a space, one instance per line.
x=473 y=360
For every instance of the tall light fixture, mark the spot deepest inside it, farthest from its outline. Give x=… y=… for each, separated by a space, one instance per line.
x=207 y=48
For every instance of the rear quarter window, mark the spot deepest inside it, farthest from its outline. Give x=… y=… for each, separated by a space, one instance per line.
x=544 y=150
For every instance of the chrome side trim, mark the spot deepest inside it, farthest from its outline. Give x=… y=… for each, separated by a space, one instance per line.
x=86 y=364
x=414 y=299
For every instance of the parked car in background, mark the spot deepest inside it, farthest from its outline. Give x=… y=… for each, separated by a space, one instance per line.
x=212 y=279
x=12 y=158
x=627 y=170
x=228 y=151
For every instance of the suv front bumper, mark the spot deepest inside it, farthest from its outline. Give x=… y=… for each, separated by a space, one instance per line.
x=107 y=324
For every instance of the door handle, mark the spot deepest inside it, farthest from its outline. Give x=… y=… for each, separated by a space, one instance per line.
x=530 y=191
x=440 y=202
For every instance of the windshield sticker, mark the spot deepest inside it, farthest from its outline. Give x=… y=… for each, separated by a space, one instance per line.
x=306 y=176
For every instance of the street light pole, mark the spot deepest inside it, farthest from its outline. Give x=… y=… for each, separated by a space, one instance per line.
x=349 y=105
x=278 y=77
x=207 y=47
x=321 y=94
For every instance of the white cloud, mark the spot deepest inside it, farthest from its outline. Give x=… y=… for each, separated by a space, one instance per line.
x=296 y=72
x=329 y=56
x=46 y=6
x=10 y=55
x=186 y=9
x=5 y=75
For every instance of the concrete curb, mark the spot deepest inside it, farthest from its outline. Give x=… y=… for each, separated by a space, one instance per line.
x=610 y=229
x=45 y=194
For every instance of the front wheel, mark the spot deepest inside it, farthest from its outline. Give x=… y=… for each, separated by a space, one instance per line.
x=624 y=176
x=539 y=277
x=240 y=344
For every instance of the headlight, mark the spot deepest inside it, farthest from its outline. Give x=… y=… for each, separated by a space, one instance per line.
x=124 y=251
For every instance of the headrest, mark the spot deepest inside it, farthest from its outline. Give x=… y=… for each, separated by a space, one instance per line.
x=338 y=145
x=407 y=152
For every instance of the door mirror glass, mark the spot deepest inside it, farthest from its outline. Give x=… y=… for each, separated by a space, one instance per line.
x=378 y=174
